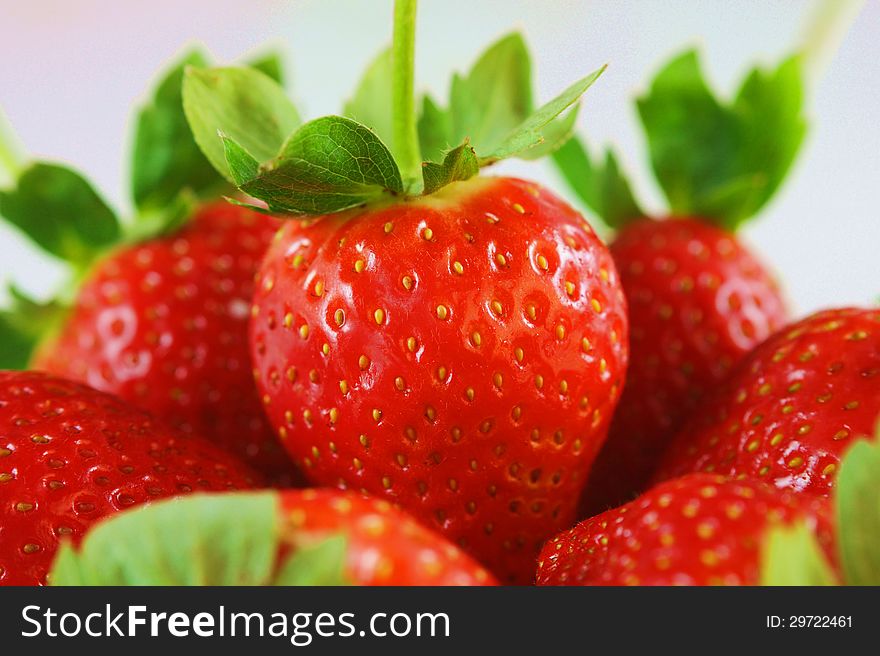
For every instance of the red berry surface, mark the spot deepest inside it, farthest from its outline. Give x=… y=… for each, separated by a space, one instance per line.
x=70 y=455
x=385 y=546
x=793 y=407
x=698 y=302
x=460 y=355
x=700 y=529
x=163 y=324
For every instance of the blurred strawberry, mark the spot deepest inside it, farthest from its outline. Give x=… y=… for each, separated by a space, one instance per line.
x=156 y=311
x=698 y=299
x=291 y=537
x=70 y=455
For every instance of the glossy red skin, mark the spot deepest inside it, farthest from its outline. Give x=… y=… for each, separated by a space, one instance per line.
x=385 y=546
x=163 y=324
x=793 y=407
x=700 y=529
x=497 y=474
x=70 y=455
x=698 y=302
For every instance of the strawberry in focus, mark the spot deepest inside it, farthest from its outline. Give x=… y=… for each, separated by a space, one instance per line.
x=460 y=355
x=791 y=409
x=70 y=455
x=451 y=343
x=700 y=529
x=698 y=299
x=288 y=537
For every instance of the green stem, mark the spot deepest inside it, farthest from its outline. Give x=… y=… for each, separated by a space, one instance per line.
x=404 y=132
x=823 y=34
x=11 y=158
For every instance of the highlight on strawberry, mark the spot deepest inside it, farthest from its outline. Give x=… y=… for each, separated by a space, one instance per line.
x=289 y=537
x=155 y=309
x=450 y=342
x=698 y=298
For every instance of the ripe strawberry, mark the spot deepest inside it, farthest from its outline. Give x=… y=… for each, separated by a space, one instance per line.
x=452 y=344
x=698 y=302
x=696 y=530
x=70 y=455
x=156 y=309
x=286 y=537
x=384 y=546
x=792 y=407
x=460 y=356
x=698 y=299
x=163 y=324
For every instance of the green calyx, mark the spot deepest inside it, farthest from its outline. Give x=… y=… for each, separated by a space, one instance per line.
x=792 y=555
x=719 y=160
x=379 y=149
x=204 y=539
x=59 y=211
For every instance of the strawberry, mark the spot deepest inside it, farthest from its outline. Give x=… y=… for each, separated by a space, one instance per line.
x=699 y=300
x=163 y=324
x=453 y=344
x=700 y=529
x=462 y=359
x=70 y=455
x=159 y=313
x=789 y=411
x=300 y=537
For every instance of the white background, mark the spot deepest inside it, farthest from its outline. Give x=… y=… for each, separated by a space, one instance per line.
x=71 y=69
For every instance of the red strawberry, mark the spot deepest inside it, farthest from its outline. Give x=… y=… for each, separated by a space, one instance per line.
x=792 y=407
x=698 y=302
x=70 y=455
x=460 y=355
x=384 y=545
x=698 y=299
x=696 y=530
x=288 y=537
x=163 y=324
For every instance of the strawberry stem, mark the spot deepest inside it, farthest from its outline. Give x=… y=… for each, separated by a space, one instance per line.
x=404 y=131
x=12 y=159
x=822 y=35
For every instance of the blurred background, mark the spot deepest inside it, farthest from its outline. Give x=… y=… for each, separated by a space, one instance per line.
x=71 y=71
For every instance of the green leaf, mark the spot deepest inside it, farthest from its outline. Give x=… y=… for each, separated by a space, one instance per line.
x=555 y=135
x=459 y=164
x=241 y=164
x=318 y=564
x=370 y=105
x=329 y=164
x=23 y=325
x=530 y=133
x=791 y=556
x=270 y=64
x=858 y=513
x=495 y=97
x=244 y=104
x=602 y=187
x=485 y=105
x=166 y=158
x=722 y=161
x=435 y=130
x=60 y=212
x=204 y=539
